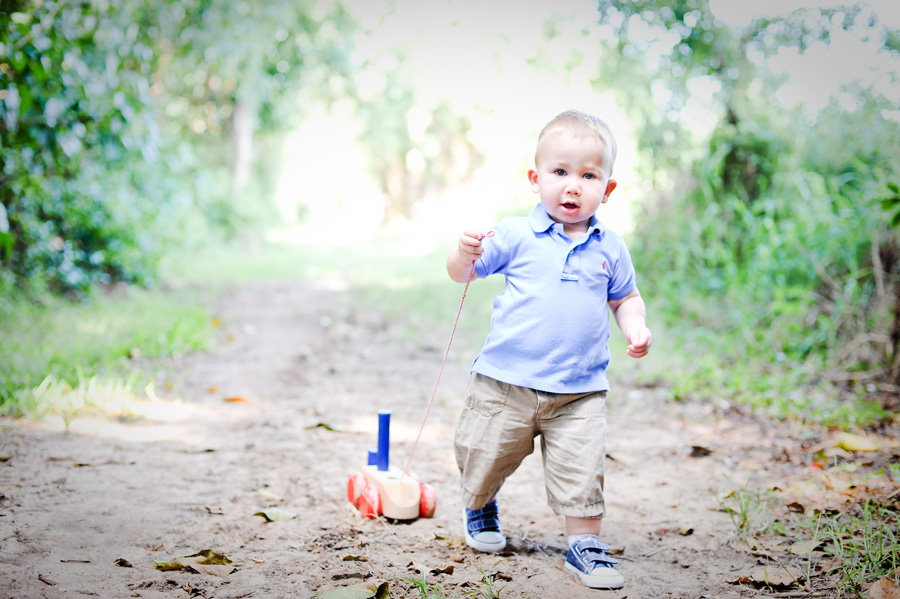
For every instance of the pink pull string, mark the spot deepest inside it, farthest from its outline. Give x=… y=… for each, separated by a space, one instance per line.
x=437 y=383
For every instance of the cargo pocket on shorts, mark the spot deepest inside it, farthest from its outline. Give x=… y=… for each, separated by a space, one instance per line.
x=485 y=395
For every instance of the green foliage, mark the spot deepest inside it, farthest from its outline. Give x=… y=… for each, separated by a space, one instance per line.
x=113 y=123
x=77 y=146
x=772 y=239
x=891 y=205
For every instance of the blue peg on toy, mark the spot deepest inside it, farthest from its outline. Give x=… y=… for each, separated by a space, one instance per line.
x=384 y=440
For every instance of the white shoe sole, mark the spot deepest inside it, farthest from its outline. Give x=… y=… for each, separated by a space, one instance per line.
x=613 y=581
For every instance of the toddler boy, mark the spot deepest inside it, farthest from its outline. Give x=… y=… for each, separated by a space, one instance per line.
x=542 y=369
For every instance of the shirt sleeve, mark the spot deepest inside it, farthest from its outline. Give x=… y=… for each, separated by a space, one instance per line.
x=496 y=252
x=622 y=280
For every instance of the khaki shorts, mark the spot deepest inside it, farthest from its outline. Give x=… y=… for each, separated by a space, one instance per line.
x=497 y=429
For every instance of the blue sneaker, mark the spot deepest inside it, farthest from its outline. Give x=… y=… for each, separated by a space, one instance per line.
x=483 y=528
x=587 y=558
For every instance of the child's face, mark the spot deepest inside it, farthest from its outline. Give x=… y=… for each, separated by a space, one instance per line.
x=572 y=177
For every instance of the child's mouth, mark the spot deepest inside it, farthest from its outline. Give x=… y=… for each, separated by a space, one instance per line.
x=570 y=206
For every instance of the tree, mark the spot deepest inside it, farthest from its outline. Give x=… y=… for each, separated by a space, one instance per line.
x=115 y=118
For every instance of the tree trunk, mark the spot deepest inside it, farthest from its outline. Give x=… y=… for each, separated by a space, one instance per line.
x=241 y=145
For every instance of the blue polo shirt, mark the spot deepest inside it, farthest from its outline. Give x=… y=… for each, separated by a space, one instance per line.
x=550 y=325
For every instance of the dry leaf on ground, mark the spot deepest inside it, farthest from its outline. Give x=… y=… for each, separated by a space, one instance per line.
x=203 y=562
x=885 y=588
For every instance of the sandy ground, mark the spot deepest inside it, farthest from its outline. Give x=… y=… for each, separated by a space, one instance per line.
x=187 y=476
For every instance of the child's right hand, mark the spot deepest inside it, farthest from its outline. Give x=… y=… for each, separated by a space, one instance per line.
x=466 y=252
x=470 y=246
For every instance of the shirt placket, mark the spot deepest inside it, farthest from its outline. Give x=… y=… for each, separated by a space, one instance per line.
x=571 y=266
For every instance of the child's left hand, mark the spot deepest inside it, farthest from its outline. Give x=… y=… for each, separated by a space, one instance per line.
x=639 y=341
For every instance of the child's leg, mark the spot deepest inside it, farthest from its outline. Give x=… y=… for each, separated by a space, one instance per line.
x=494 y=434
x=582 y=526
x=573 y=441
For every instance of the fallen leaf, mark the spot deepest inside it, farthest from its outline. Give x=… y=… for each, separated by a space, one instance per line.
x=123 y=563
x=885 y=588
x=444 y=570
x=275 y=514
x=366 y=590
x=237 y=399
x=202 y=562
x=355 y=558
x=757 y=548
x=698 y=451
x=851 y=442
x=829 y=565
x=775 y=576
x=269 y=495
x=326 y=426
x=805 y=547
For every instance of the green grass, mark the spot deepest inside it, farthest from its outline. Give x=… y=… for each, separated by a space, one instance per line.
x=486 y=587
x=62 y=357
x=866 y=542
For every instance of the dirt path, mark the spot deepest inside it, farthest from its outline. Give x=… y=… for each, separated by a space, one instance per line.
x=188 y=476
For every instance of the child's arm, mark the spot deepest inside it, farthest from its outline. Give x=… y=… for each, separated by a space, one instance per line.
x=467 y=251
x=631 y=316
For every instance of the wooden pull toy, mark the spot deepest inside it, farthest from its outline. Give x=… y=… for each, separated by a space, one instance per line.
x=381 y=489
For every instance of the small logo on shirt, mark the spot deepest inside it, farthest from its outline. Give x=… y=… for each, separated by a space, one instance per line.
x=604 y=265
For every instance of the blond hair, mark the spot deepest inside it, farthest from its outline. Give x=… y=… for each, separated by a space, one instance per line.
x=580 y=124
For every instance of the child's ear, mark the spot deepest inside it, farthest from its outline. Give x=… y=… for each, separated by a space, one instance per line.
x=610 y=186
x=533 y=179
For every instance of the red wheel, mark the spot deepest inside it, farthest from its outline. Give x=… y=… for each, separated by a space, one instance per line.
x=355 y=487
x=427 y=501
x=370 y=502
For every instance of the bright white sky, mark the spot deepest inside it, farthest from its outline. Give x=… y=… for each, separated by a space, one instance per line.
x=476 y=54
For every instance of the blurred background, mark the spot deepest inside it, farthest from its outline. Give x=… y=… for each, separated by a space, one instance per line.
x=757 y=169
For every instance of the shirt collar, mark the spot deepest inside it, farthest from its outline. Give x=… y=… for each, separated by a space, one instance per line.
x=541 y=221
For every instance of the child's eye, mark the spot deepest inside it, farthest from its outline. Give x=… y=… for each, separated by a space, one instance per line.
x=560 y=172
x=589 y=176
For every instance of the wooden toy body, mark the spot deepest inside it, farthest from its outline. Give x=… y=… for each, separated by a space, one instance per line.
x=400 y=494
